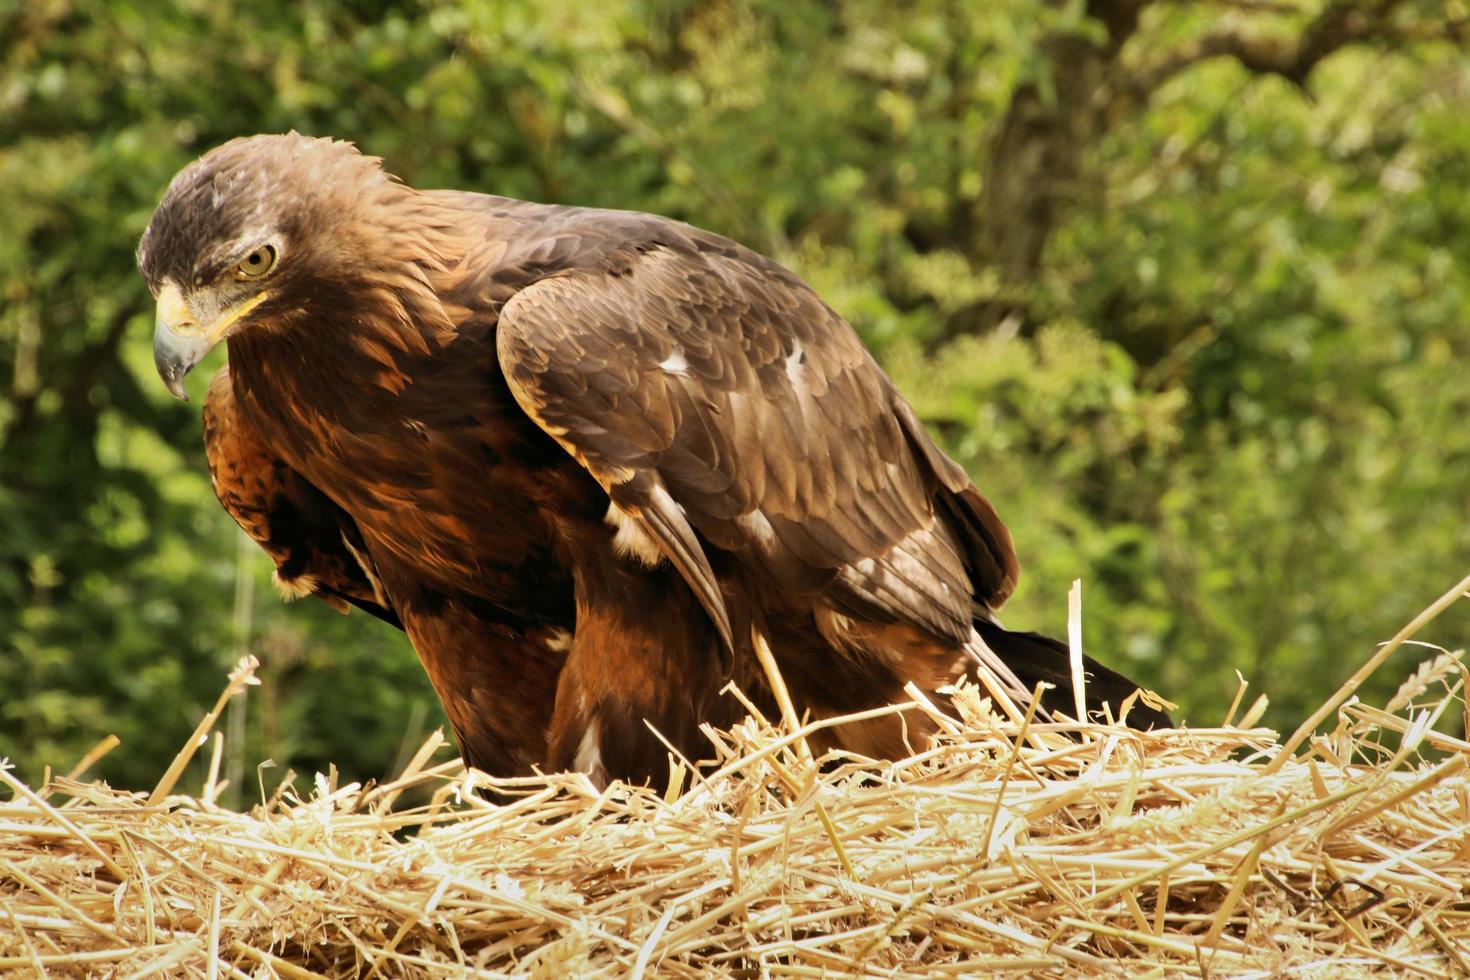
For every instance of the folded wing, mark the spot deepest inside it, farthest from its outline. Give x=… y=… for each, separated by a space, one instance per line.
x=722 y=405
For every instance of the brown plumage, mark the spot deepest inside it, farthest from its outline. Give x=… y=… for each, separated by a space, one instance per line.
x=584 y=458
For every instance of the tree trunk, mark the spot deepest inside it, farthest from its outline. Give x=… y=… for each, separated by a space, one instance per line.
x=1035 y=167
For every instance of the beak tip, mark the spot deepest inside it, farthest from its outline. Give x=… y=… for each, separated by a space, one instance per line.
x=175 y=353
x=174 y=363
x=172 y=371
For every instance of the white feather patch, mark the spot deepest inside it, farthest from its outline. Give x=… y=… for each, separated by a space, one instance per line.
x=758 y=527
x=794 y=362
x=675 y=364
x=631 y=541
x=294 y=588
x=589 y=755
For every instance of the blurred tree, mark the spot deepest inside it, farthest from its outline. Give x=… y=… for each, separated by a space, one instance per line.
x=1181 y=282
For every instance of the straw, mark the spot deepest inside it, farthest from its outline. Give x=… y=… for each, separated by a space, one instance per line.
x=1100 y=851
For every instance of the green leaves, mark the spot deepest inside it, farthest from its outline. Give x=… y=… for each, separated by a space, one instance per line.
x=1231 y=399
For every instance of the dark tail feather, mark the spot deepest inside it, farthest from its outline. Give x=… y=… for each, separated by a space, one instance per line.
x=1034 y=658
x=371 y=608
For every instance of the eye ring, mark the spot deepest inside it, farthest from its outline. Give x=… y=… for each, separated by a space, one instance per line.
x=258 y=264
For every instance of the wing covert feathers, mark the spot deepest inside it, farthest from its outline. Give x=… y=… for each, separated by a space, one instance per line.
x=720 y=402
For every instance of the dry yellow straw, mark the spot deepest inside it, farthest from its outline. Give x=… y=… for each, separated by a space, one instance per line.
x=1074 y=650
x=1363 y=673
x=240 y=677
x=997 y=847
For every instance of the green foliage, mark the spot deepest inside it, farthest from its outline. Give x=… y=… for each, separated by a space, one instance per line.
x=1231 y=398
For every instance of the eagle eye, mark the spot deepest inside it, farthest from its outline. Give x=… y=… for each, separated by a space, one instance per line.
x=257 y=264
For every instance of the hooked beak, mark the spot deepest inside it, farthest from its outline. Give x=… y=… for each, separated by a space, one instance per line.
x=180 y=341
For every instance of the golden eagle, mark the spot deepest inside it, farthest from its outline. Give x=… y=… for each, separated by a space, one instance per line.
x=596 y=464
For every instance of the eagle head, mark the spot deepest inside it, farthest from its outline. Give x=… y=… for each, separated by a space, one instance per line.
x=249 y=236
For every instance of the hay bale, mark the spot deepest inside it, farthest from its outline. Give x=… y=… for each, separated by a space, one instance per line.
x=1069 y=848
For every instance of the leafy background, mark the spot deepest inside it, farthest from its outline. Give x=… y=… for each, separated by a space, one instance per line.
x=1183 y=284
